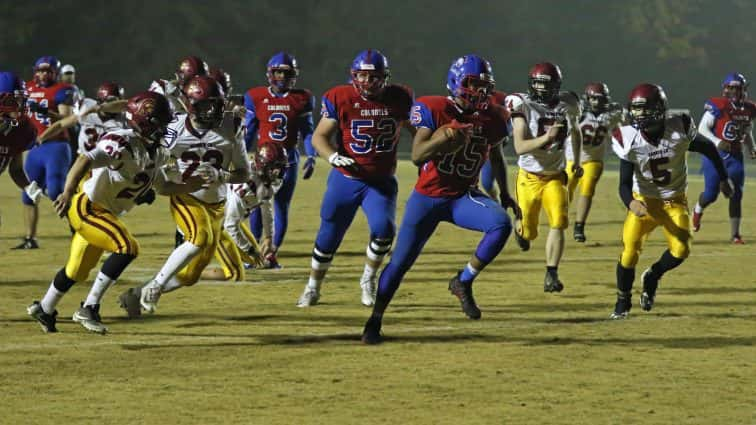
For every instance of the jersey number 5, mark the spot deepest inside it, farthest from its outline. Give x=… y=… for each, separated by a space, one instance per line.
x=662 y=176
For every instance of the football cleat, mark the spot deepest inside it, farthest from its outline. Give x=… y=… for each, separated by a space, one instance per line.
x=579 y=233
x=647 y=301
x=271 y=262
x=737 y=240
x=149 y=296
x=46 y=321
x=28 y=243
x=88 y=316
x=309 y=297
x=463 y=291
x=129 y=301
x=697 y=221
x=368 y=286
x=523 y=243
x=551 y=283
x=371 y=335
x=623 y=305
x=650 y=283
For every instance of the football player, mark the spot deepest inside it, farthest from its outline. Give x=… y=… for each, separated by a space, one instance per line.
x=366 y=115
x=203 y=143
x=727 y=122
x=281 y=113
x=599 y=118
x=189 y=67
x=46 y=163
x=542 y=121
x=237 y=245
x=17 y=133
x=96 y=117
x=653 y=180
x=68 y=76
x=124 y=164
x=455 y=136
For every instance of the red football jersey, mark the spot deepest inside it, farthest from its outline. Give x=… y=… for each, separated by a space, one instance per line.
x=452 y=174
x=15 y=140
x=369 y=128
x=732 y=122
x=50 y=97
x=278 y=116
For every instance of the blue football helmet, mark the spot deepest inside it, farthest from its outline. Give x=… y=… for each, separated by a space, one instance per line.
x=370 y=73
x=470 y=81
x=286 y=64
x=51 y=65
x=735 y=87
x=12 y=99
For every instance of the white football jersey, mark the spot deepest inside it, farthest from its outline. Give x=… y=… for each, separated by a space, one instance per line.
x=92 y=126
x=171 y=91
x=218 y=147
x=122 y=170
x=549 y=159
x=242 y=199
x=597 y=134
x=661 y=171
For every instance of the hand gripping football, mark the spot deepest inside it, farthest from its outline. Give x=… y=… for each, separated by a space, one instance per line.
x=457 y=133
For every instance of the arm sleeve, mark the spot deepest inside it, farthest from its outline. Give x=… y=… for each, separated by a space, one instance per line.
x=328 y=108
x=232 y=223
x=250 y=121
x=65 y=96
x=626 y=182
x=421 y=116
x=266 y=213
x=306 y=127
x=703 y=146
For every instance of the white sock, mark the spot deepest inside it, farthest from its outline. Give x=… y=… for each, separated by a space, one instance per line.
x=100 y=285
x=179 y=258
x=171 y=285
x=51 y=299
x=698 y=209
x=313 y=283
x=735 y=226
x=369 y=272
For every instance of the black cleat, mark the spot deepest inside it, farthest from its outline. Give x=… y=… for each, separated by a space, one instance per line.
x=46 y=321
x=129 y=301
x=551 y=283
x=650 y=283
x=523 y=243
x=89 y=317
x=463 y=291
x=371 y=335
x=579 y=233
x=28 y=243
x=623 y=305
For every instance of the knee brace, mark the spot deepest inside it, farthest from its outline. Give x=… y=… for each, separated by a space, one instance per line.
x=320 y=260
x=378 y=248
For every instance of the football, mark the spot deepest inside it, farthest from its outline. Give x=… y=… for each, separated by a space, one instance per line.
x=448 y=129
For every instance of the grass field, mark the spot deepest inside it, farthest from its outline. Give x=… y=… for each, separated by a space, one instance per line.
x=243 y=353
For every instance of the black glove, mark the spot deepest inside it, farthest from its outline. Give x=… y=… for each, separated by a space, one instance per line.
x=145 y=198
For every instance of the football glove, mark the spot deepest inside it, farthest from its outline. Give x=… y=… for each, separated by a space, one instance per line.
x=146 y=198
x=340 y=161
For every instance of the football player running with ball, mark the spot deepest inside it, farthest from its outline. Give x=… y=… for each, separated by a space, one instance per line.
x=124 y=164
x=542 y=120
x=455 y=136
x=203 y=144
x=653 y=181
x=367 y=115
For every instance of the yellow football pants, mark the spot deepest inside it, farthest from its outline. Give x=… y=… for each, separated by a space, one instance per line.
x=96 y=230
x=533 y=192
x=672 y=215
x=201 y=225
x=231 y=258
x=591 y=174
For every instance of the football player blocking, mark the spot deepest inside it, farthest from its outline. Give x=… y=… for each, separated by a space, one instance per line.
x=596 y=123
x=125 y=164
x=727 y=123
x=204 y=142
x=653 y=181
x=368 y=114
x=455 y=136
x=542 y=121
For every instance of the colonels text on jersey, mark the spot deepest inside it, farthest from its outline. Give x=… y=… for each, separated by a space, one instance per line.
x=278 y=116
x=369 y=128
x=454 y=173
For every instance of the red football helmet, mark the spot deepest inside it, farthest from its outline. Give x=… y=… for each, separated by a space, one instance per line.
x=189 y=67
x=596 y=96
x=205 y=100
x=109 y=91
x=648 y=106
x=544 y=82
x=148 y=113
x=223 y=78
x=271 y=162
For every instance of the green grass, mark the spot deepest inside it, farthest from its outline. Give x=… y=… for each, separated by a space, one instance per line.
x=243 y=353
